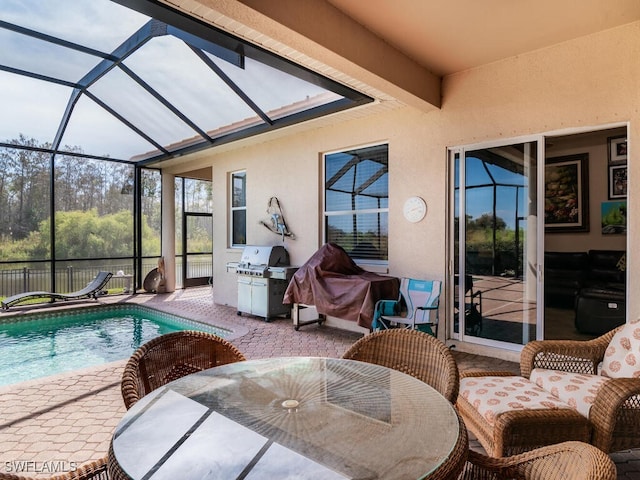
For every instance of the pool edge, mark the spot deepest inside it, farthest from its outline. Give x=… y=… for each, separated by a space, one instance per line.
x=232 y=331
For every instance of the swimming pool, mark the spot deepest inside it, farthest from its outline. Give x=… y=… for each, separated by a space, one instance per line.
x=40 y=345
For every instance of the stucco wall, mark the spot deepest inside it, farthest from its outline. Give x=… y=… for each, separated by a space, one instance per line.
x=290 y=169
x=589 y=82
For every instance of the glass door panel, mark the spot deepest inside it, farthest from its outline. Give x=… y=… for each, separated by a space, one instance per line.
x=495 y=247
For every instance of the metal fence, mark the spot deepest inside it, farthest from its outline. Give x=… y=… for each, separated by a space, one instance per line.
x=71 y=279
x=198 y=266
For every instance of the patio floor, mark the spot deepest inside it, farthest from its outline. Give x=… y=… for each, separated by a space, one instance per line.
x=51 y=424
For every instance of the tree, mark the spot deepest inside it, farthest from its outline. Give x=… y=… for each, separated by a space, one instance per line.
x=87 y=235
x=97 y=187
x=24 y=188
x=93 y=204
x=485 y=221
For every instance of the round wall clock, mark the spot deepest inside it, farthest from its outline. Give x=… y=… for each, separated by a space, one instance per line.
x=414 y=210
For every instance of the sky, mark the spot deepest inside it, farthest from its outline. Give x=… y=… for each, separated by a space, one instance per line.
x=34 y=107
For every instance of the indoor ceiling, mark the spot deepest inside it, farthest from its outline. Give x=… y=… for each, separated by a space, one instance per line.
x=449 y=36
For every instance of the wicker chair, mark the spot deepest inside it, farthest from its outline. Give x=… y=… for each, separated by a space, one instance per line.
x=562 y=461
x=521 y=430
x=613 y=422
x=416 y=353
x=96 y=470
x=457 y=460
x=615 y=414
x=115 y=470
x=171 y=356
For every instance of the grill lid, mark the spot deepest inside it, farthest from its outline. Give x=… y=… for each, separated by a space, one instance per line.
x=264 y=256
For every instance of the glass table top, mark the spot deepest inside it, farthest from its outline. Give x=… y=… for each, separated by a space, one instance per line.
x=288 y=418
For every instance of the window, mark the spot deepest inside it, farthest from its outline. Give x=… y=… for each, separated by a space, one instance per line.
x=238 y=208
x=356 y=209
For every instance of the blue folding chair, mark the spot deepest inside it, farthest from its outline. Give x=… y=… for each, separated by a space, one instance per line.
x=416 y=307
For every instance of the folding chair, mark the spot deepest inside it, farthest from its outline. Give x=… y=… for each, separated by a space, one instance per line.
x=416 y=307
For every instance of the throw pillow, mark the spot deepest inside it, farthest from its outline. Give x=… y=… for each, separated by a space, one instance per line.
x=622 y=357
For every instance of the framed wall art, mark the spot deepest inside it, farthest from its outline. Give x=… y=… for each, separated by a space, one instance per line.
x=566 y=198
x=614 y=217
x=617 y=181
x=617 y=149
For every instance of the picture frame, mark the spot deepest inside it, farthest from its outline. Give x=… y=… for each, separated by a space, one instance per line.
x=617 y=149
x=614 y=217
x=566 y=198
x=617 y=181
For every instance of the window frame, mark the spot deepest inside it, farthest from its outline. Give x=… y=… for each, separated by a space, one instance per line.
x=235 y=208
x=371 y=264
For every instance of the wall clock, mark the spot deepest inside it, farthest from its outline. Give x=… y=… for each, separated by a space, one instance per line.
x=414 y=210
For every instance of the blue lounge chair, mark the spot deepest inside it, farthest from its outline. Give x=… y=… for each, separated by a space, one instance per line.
x=90 y=291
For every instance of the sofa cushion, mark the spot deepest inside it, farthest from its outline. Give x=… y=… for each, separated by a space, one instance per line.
x=492 y=396
x=564 y=276
x=567 y=261
x=606 y=266
x=622 y=357
x=577 y=389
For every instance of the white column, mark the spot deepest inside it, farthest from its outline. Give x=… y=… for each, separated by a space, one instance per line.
x=169 y=231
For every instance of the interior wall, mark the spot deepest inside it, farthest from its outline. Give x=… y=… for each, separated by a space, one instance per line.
x=594 y=144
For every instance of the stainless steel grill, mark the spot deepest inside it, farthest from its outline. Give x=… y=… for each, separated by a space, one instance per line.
x=257 y=260
x=263 y=276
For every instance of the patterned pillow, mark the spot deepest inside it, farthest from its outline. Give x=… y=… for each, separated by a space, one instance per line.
x=579 y=390
x=622 y=357
x=492 y=396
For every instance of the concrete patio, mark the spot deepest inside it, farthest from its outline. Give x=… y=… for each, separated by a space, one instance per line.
x=54 y=423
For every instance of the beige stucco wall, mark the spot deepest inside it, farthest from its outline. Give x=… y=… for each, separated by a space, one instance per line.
x=290 y=169
x=589 y=82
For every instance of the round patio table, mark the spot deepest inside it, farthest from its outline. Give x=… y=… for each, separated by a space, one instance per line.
x=290 y=418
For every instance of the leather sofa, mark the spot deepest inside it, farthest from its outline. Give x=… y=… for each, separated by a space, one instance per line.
x=565 y=274
x=592 y=283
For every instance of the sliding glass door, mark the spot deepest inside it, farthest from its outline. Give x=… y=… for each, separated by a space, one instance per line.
x=494 y=229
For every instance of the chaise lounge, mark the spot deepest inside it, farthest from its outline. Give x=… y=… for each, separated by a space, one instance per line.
x=568 y=390
x=90 y=291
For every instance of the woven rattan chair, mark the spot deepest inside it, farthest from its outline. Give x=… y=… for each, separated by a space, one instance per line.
x=171 y=356
x=96 y=470
x=115 y=470
x=521 y=430
x=457 y=460
x=615 y=414
x=562 y=461
x=416 y=353
x=613 y=423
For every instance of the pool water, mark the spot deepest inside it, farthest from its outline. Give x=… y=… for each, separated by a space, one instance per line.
x=40 y=345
